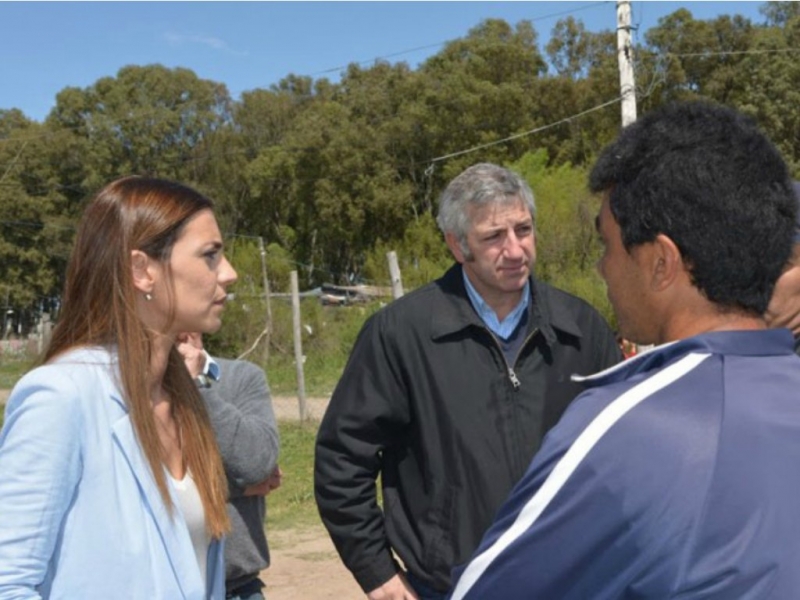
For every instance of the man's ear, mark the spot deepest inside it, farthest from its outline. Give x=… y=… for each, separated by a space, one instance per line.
x=455 y=246
x=141 y=272
x=667 y=262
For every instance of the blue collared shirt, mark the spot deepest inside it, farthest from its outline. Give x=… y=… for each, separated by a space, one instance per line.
x=507 y=326
x=211 y=370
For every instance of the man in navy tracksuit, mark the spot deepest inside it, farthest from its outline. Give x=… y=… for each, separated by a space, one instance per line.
x=675 y=475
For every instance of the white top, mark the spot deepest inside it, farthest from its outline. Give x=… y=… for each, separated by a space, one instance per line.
x=192 y=509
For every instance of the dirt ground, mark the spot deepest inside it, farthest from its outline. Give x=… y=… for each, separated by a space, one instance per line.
x=305 y=566
x=288 y=408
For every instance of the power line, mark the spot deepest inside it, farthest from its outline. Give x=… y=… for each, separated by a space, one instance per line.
x=143 y=112
x=412 y=163
x=13 y=162
x=526 y=133
x=152 y=110
x=732 y=52
x=437 y=44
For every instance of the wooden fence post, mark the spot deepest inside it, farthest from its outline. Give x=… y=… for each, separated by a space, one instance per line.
x=394 y=273
x=268 y=327
x=298 y=347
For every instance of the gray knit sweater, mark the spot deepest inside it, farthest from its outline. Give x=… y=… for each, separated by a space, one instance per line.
x=241 y=413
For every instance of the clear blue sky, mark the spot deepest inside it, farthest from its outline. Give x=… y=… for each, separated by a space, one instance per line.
x=47 y=46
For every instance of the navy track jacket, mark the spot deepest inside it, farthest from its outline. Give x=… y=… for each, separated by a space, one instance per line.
x=676 y=475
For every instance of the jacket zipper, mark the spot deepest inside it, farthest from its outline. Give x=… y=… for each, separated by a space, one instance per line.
x=512 y=375
x=520 y=460
x=514 y=379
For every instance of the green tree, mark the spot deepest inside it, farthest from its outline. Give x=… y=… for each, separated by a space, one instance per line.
x=330 y=187
x=567 y=248
x=35 y=220
x=700 y=58
x=483 y=89
x=587 y=77
x=146 y=120
x=770 y=87
x=779 y=14
x=569 y=48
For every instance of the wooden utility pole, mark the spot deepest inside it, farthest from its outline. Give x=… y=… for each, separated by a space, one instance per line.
x=627 y=84
x=298 y=347
x=394 y=273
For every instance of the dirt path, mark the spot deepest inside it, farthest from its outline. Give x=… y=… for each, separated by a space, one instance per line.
x=287 y=408
x=305 y=566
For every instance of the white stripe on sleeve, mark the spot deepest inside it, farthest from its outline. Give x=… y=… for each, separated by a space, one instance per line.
x=569 y=463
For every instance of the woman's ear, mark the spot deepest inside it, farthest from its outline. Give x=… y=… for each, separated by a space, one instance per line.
x=141 y=272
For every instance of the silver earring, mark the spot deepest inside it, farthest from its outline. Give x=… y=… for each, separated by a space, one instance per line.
x=148 y=297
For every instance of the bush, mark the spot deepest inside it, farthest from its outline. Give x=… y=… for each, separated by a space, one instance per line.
x=327 y=336
x=422 y=256
x=567 y=246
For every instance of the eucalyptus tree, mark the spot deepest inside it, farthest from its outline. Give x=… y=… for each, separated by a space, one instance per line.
x=700 y=58
x=36 y=216
x=586 y=77
x=483 y=89
x=329 y=189
x=146 y=120
x=769 y=86
x=780 y=13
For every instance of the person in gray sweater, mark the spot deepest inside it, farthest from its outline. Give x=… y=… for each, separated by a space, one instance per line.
x=239 y=405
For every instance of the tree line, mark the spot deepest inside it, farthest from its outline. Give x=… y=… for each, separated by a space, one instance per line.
x=333 y=174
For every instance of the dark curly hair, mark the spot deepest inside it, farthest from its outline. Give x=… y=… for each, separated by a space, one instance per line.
x=705 y=176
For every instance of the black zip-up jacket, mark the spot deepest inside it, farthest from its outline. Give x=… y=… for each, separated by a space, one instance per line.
x=428 y=401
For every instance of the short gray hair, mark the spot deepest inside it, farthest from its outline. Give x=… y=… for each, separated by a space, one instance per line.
x=479 y=185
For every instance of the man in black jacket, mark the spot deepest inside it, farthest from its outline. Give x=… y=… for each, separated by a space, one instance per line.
x=448 y=393
x=784 y=308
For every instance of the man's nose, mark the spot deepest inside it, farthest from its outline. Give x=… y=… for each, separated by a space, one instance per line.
x=513 y=246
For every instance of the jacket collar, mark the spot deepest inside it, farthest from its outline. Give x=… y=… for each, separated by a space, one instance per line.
x=764 y=342
x=104 y=358
x=454 y=311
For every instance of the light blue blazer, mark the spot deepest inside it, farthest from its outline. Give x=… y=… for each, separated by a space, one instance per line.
x=80 y=513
